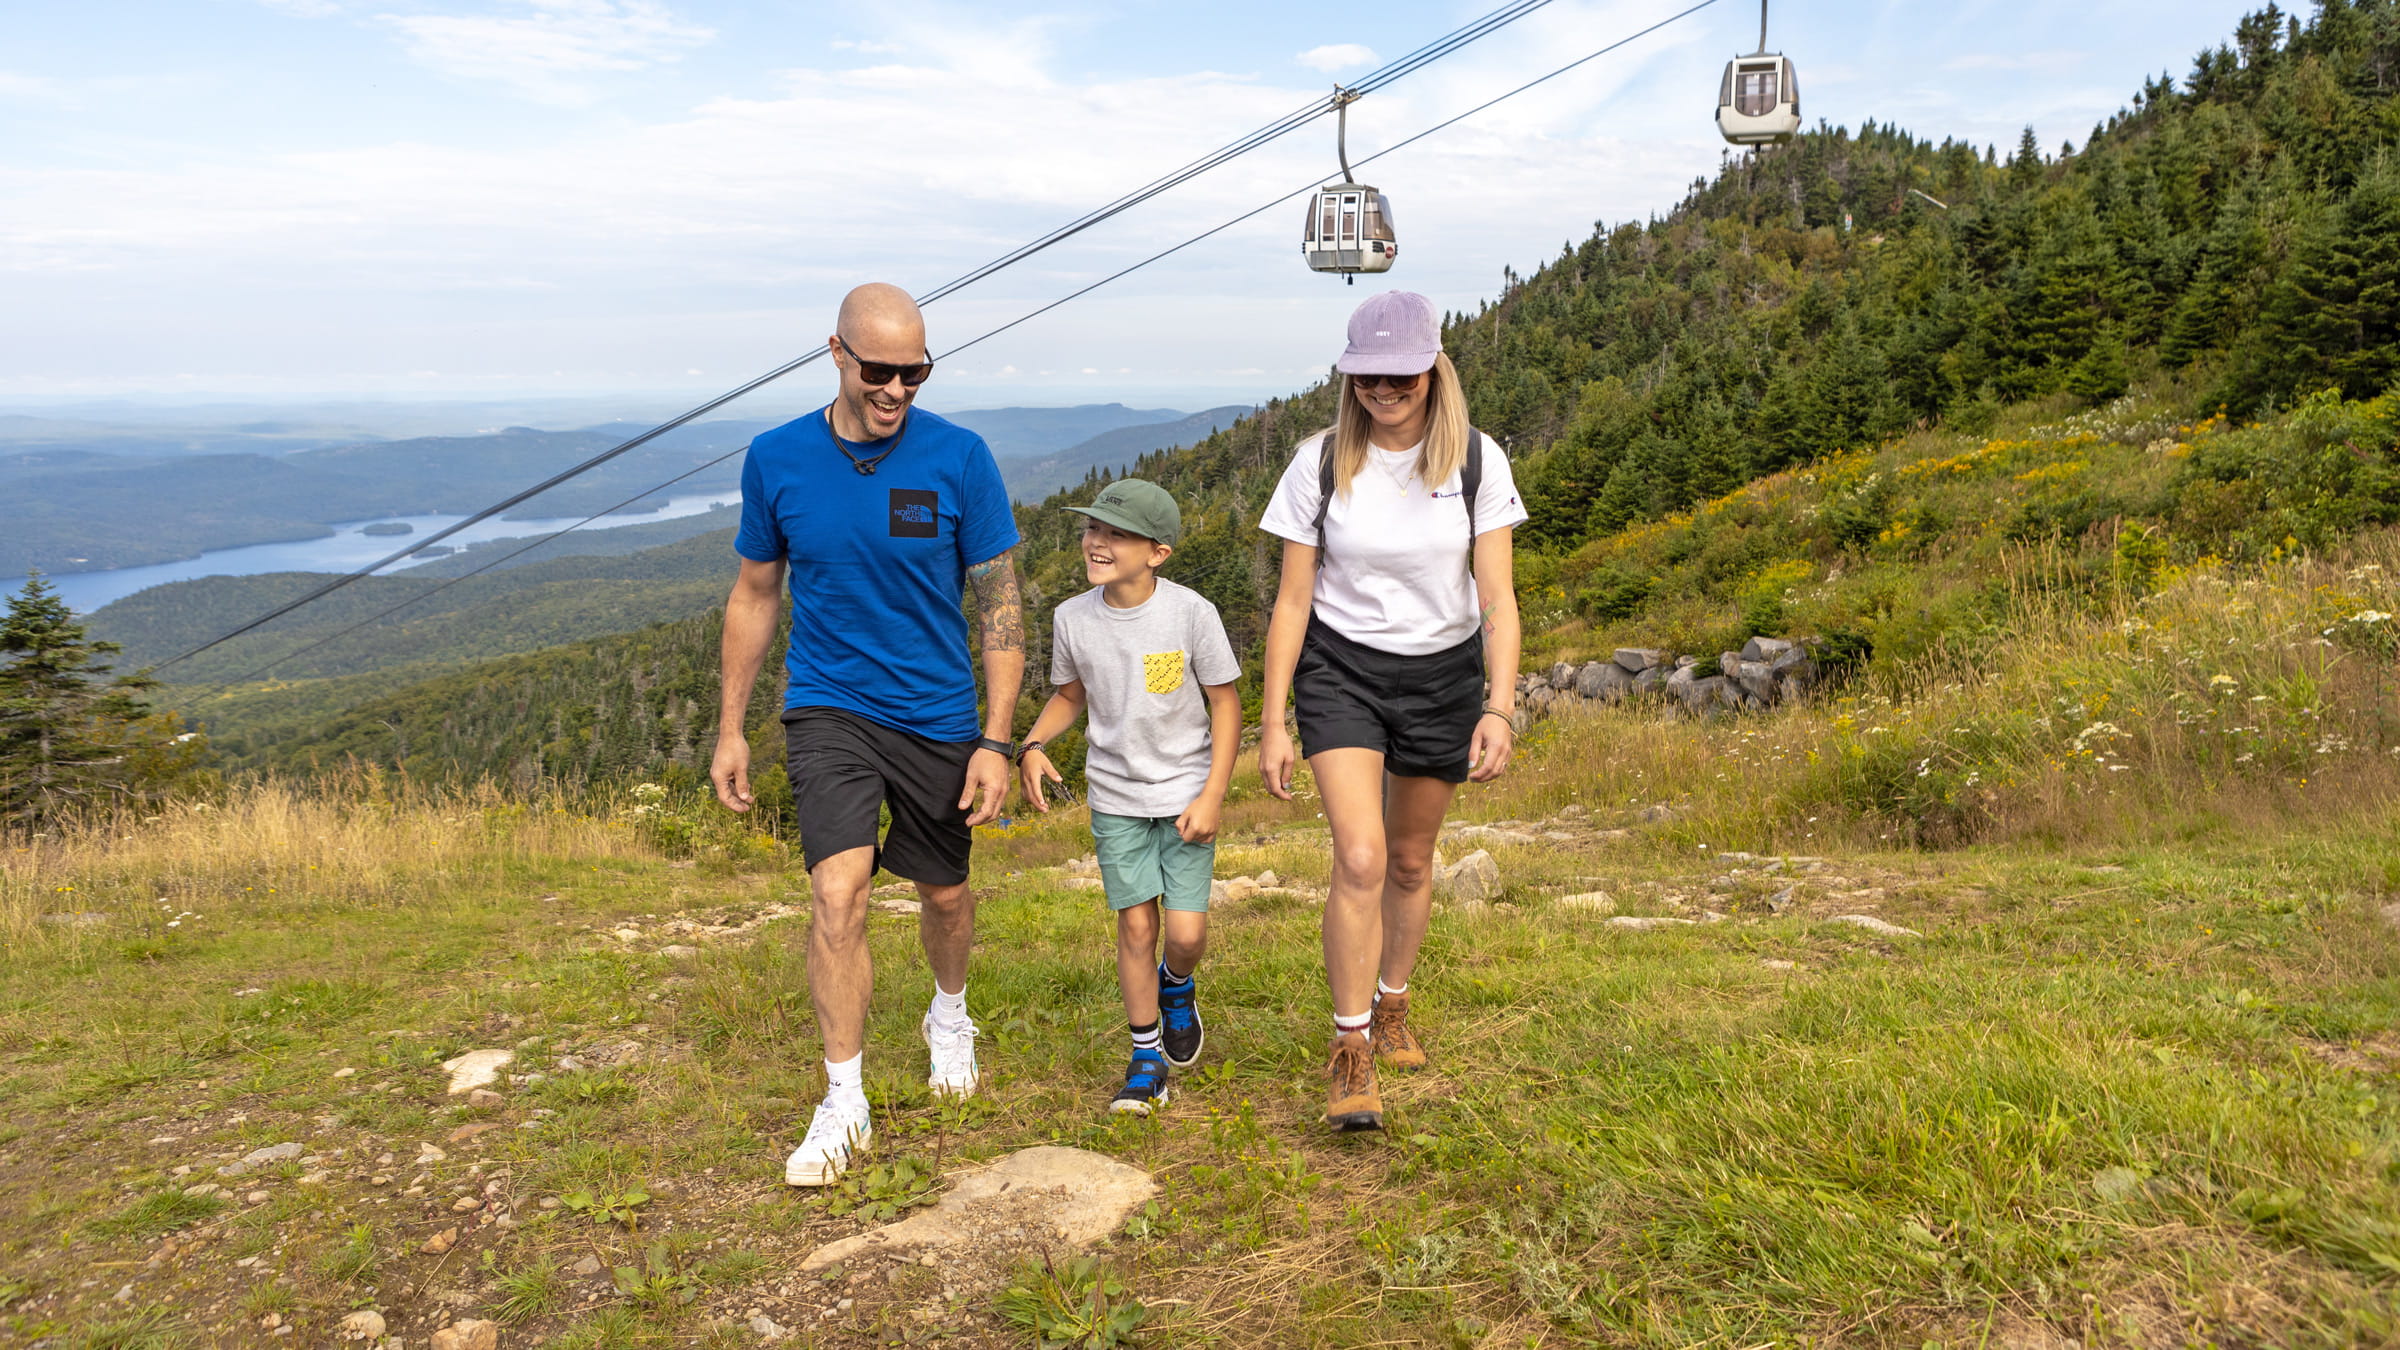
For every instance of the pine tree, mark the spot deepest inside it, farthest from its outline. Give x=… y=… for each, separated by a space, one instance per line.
x=70 y=737
x=2337 y=315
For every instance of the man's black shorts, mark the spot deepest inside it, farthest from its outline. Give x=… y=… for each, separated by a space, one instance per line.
x=1420 y=711
x=845 y=767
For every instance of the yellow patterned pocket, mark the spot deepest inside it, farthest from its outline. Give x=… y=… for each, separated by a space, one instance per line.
x=1162 y=672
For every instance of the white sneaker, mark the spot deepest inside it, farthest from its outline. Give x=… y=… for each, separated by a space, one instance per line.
x=953 y=1049
x=838 y=1128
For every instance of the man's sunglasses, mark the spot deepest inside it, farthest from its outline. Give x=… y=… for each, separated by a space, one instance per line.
x=1398 y=384
x=876 y=374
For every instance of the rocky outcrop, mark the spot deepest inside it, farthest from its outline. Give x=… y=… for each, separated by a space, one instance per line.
x=1765 y=673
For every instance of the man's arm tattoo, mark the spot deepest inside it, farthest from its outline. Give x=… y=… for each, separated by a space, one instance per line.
x=997 y=602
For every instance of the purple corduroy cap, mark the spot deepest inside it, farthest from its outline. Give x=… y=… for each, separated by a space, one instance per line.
x=1395 y=333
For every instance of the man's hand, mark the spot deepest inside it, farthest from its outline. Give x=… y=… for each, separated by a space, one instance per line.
x=730 y=771
x=1275 y=760
x=987 y=774
x=1198 y=823
x=1032 y=768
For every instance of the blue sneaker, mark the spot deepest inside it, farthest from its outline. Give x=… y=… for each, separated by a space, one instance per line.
x=1145 y=1087
x=1179 y=1019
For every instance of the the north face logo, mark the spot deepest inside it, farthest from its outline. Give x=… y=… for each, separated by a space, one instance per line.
x=916 y=514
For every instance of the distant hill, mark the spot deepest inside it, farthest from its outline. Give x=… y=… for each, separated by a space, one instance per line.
x=507 y=610
x=1014 y=433
x=1033 y=477
x=127 y=510
x=594 y=542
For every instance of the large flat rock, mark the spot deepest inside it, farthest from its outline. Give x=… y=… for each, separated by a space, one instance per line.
x=1031 y=1201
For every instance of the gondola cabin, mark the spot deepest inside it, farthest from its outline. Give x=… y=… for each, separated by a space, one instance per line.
x=1759 y=102
x=1349 y=230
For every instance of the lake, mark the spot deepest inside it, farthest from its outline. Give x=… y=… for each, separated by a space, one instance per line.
x=346 y=548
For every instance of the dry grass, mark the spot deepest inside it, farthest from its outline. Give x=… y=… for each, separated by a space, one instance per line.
x=362 y=842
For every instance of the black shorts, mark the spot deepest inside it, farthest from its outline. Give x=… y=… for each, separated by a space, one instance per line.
x=845 y=767
x=1419 y=711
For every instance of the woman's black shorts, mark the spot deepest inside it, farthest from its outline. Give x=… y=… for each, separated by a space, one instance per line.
x=1419 y=711
x=845 y=768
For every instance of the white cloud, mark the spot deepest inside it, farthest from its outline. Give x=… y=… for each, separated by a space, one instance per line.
x=1337 y=56
x=718 y=238
x=2013 y=60
x=546 y=53
x=31 y=88
x=304 y=9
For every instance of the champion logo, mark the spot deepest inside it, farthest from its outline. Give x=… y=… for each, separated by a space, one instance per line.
x=1461 y=492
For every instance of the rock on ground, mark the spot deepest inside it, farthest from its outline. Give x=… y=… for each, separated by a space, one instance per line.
x=1030 y=1201
x=1473 y=877
x=1645 y=922
x=468 y=1334
x=1874 y=925
x=363 y=1326
x=273 y=1153
x=476 y=1068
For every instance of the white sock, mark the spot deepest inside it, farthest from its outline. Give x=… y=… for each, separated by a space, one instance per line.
x=949 y=1009
x=1381 y=988
x=1358 y=1023
x=847 y=1080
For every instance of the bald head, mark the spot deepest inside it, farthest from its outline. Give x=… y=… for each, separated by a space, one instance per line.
x=881 y=323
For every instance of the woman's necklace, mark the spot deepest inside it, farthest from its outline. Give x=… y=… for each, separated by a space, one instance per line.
x=863 y=463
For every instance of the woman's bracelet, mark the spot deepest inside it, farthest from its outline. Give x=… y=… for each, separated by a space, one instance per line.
x=1490 y=711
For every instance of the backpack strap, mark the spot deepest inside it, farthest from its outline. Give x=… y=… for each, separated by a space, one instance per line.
x=1324 y=491
x=1470 y=481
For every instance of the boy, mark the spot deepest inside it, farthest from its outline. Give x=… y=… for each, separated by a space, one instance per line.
x=1132 y=649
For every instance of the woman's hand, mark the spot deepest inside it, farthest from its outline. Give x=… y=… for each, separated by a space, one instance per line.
x=1275 y=760
x=1488 y=754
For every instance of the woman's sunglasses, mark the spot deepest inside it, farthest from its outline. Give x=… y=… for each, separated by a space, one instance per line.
x=1398 y=384
x=876 y=374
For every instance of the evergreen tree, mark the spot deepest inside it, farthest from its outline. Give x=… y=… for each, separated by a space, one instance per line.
x=2335 y=320
x=70 y=737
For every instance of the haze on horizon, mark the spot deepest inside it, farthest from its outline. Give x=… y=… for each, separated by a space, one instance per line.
x=309 y=200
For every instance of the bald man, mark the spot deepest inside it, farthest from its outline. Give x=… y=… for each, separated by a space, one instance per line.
x=879 y=517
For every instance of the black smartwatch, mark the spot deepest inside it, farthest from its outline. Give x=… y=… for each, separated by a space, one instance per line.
x=1005 y=749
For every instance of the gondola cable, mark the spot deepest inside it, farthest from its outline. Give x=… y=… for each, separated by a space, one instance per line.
x=1417 y=60
x=795 y=364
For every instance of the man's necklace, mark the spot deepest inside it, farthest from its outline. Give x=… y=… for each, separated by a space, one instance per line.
x=862 y=463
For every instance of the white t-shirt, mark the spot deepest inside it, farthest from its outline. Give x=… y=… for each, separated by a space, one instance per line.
x=1395 y=576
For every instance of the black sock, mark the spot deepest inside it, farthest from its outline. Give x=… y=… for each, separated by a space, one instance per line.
x=1167 y=975
x=1146 y=1038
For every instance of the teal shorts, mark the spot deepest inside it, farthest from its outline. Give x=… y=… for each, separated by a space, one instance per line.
x=1143 y=859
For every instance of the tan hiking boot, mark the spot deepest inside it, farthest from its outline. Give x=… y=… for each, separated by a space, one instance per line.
x=1395 y=1045
x=1351 y=1102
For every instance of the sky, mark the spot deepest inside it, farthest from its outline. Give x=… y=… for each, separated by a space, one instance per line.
x=272 y=199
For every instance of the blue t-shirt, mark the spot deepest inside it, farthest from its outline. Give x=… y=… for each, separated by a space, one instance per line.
x=878 y=565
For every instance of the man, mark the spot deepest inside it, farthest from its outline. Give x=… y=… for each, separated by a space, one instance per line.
x=882 y=515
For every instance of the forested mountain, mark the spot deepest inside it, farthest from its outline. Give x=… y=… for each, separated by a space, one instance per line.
x=2230 y=241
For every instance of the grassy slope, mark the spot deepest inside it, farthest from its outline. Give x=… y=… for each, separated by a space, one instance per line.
x=2123 y=1094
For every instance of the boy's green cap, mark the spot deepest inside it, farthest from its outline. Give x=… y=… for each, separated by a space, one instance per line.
x=1145 y=509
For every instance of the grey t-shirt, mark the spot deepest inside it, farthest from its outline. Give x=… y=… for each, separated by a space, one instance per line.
x=1142 y=669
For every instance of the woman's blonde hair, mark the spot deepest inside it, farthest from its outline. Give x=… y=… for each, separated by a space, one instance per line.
x=1445 y=429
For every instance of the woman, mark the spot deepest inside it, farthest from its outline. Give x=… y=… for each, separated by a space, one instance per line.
x=1396 y=605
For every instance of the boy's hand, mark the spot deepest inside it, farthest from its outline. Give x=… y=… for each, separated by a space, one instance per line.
x=1275 y=760
x=1198 y=823
x=1032 y=768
